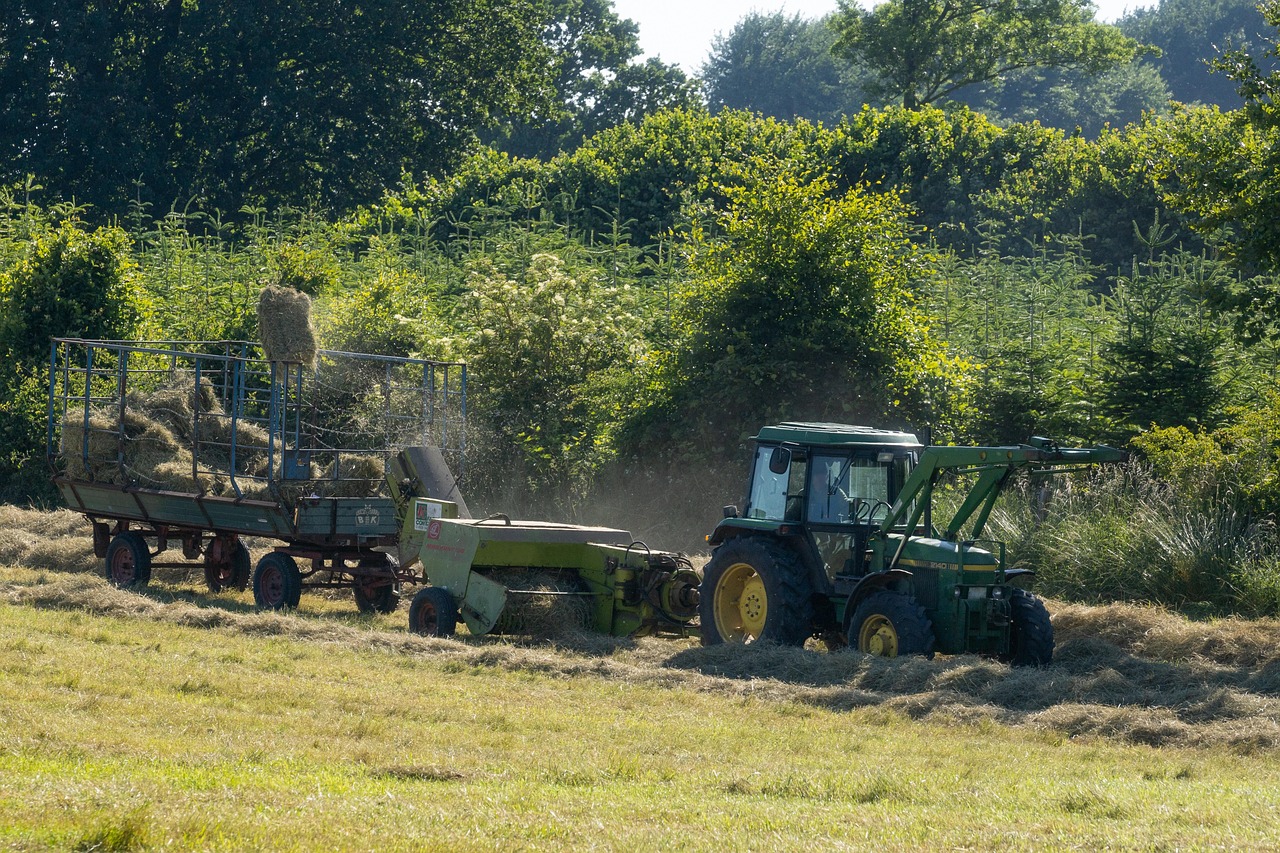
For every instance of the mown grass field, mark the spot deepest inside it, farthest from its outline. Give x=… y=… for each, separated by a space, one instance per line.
x=175 y=719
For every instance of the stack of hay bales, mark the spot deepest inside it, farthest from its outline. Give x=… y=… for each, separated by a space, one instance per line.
x=284 y=326
x=126 y=447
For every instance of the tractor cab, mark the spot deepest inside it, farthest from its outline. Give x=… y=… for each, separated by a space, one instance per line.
x=837 y=482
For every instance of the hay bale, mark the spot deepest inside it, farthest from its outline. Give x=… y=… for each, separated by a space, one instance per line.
x=284 y=326
x=354 y=475
x=176 y=403
x=98 y=461
x=146 y=443
x=176 y=473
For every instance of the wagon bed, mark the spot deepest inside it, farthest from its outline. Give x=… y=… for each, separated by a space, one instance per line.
x=289 y=452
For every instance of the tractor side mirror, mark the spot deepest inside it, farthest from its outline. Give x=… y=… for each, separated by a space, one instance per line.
x=780 y=460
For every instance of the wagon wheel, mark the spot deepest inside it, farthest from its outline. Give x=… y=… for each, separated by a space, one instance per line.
x=128 y=561
x=375 y=586
x=223 y=570
x=277 y=583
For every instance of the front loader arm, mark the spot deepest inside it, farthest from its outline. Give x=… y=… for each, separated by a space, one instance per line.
x=993 y=465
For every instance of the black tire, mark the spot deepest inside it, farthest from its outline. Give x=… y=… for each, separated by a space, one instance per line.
x=128 y=560
x=433 y=613
x=755 y=588
x=1030 y=631
x=889 y=624
x=380 y=592
x=277 y=583
x=237 y=575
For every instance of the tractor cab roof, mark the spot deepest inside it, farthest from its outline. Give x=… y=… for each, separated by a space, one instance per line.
x=834 y=435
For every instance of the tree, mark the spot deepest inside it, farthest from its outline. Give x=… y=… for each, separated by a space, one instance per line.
x=597 y=82
x=1071 y=99
x=920 y=51
x=272 y=101
x=802 y=310
x=1221 y=169
x=1190 y=34
x=780 y=66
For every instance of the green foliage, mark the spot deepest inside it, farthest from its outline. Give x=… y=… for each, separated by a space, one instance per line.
x=57 y=280
x=802 y=310
x=548 y=338
x=1033 y=327
x=1225 y=165
x=1124 y=535
x=597 y=80
x=244 y=102
x=1165 y=366
x=1071 y=99
x=780 y=66
x=922 y=51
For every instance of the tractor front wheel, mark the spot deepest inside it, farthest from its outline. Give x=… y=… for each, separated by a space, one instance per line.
x=1031 y=632
x=888 y=624
x=432 y=613
x=755 y=588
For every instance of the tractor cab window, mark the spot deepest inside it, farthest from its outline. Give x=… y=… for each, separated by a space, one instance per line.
x=776 y=495
x=848 y=489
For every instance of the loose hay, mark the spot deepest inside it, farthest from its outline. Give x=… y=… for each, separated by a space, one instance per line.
x=284 y=326
x=542 y=605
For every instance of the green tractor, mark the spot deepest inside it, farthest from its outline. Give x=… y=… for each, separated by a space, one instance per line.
x=837 y=541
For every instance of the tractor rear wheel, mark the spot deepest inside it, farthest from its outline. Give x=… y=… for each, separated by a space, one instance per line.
x=277 y=583
x=755 y=588
x=1031 y=632
x=128 y=561
x=432 y=613
x=888 y=624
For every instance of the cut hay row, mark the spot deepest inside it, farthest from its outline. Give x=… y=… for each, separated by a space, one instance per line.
x=1096 y=690
x=1126 y=673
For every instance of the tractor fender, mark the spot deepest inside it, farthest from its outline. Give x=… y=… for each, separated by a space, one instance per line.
x=898 y=580
x=1012 y=574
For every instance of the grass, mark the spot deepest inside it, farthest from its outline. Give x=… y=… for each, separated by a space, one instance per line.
x=177 y=719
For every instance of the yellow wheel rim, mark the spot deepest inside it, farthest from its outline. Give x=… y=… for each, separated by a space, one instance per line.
x=740 y=604
x=878 y=637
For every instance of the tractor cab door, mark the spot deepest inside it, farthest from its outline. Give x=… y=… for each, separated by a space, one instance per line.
x=777 y=484
x=848 y=496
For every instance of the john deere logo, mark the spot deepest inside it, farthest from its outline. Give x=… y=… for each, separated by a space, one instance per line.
x=433 y=530
x=366 y=516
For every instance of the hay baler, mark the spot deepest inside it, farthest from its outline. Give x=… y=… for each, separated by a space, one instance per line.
x=500 y=575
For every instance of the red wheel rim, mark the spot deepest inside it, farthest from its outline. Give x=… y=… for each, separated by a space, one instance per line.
x=123 y=569
x=273 y=585
x=428 y=619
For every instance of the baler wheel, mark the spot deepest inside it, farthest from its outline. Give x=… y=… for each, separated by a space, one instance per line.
x=754 y=588
x=277 y=583
x=1031 y=634
x=128 y=561
x=432 y=613
x=888 y=624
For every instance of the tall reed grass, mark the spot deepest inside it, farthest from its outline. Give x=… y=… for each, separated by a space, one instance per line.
x=1121 y=533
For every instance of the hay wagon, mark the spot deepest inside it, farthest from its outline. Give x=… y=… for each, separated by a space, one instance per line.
x=202 y=444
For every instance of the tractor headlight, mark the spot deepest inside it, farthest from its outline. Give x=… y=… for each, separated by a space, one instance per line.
x=997 y=592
